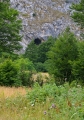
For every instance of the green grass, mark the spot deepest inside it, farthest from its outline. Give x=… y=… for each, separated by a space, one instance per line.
x=59 y=103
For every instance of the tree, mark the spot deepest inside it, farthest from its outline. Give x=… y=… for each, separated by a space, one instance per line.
x=44 y=48
x=78 y=65
x=9 y=28
x=37 y=53
x=78 y=15
x=8 y=73
x=26 y=69
x=63 y=51
x=17 y=72
x=32 y=52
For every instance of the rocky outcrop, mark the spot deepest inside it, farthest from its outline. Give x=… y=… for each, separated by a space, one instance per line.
x=43 y=18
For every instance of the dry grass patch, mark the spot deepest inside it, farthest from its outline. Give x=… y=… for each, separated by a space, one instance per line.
x=47 y=17
x=11 y=91
x=42 y=76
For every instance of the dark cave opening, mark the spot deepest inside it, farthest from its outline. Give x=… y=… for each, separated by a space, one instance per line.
x=37 y=41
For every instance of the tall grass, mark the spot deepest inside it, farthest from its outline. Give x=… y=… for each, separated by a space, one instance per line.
x=60 y=103
x=11 y=91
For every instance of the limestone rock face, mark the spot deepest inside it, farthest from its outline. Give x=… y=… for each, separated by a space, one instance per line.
x=43 y=18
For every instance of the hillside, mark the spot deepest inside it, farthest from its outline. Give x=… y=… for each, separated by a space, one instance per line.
x=43 y=18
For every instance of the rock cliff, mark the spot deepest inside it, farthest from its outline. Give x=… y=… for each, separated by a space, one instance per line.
x=44 y=18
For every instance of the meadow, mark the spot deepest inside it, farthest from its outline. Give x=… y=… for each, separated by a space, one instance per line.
x=49 y=102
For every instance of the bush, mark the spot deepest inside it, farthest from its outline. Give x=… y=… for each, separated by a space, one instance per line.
x=25 y=77
x=8 y=73
x=26 y=69
x=40 y=94
x=16 y=73
x=24 y=64
x=63 y=95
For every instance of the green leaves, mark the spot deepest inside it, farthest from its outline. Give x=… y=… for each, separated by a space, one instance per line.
x=32 y=52
x=78 y=65
x=48 y=90
x=8 y=73
x=64 y=50
x=37 y=53
x=78 y=15
x=9 y=28
x=16 y=73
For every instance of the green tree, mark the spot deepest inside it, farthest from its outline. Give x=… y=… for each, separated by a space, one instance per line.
x=32 y=52
x=37 y=53
x=43 y=48
x=17 y=72
x=25 y=71
x=78 y=15
x=9 y=28
x=8 y=73
x=24 y=64
x=78 y=65
x=64 y=50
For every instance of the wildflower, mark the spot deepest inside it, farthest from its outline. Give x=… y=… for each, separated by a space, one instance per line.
x=45 y=112
x=53 y=106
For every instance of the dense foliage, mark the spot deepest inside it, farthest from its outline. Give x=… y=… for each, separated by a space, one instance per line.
x=78 y=15
x=32 y=52
x=62 y=52
x=54 y=92
x=16 y=73
x=37 y=53
x=78 y=65
x=9 y=28
x=8 y=73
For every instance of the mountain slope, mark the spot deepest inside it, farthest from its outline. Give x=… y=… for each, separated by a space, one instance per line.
x=43 y=18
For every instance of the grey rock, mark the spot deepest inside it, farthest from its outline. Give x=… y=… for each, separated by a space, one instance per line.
x=43 y=18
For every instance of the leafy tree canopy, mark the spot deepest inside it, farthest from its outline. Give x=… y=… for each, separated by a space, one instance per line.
x=78 y=15
x=78 y=65
x=9 y=28
x=37 y=53
x=63 y=51
x=44 y=48
x=32 y=52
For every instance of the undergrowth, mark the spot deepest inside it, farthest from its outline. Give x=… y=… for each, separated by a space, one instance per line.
x=49 y=102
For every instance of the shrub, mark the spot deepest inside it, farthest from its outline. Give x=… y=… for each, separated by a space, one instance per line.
x=8 y=73
x=16 y=73
x=25 y=77
x=26 y=69
x=40 y=94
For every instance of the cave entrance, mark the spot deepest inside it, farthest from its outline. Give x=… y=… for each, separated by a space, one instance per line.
x=37 y=41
